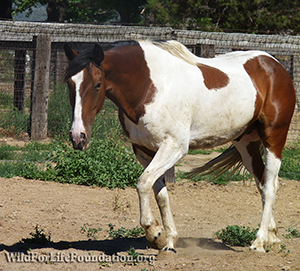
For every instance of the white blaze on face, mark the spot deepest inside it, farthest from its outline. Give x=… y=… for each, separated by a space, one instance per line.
x=77 y=125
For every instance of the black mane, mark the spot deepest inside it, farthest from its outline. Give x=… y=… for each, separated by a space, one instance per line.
x=86 y=57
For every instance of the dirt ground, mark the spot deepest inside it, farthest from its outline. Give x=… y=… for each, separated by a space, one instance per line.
x=199 y=209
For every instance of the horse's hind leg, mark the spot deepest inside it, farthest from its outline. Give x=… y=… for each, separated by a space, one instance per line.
x=266 y=178
x=158 y=237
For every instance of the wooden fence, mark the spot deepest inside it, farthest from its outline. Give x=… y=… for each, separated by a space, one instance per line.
x=43 y=42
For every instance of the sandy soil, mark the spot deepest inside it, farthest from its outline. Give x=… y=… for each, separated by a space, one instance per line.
x=200 y=209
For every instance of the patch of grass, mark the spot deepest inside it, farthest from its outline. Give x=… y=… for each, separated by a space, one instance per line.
x=14 y=122
x=237 y=235
x=290 y=166
x=133 y=255
x=222 y=180
x=108 y=163
x=292 y=233
x=91 y=232
x=125 y=233
x=59 y=112
x=196 y=151
x=283 y=250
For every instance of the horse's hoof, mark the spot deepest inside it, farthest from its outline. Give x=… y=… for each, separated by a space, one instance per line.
x=166 y=253
x=158 y=241
x=169 y=249
x=259 y=249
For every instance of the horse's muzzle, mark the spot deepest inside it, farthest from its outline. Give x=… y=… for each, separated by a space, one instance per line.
x=79 y=141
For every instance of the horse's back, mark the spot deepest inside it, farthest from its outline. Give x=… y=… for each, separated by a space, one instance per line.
x=209 y=102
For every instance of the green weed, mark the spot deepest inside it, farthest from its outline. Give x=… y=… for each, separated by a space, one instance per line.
x=134 y=255
x=222 y=180
x=283 y=250
x=197 y=151
x=290 y=167
x=237 y=235
x=91 y=232
x=292 y=233
x=125 y=233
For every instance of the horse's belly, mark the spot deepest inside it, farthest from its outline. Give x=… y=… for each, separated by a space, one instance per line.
x=218 y=129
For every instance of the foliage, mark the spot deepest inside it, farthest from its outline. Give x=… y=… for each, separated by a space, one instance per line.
x=257 y=15
x=292 y=233
x=283 y=250
x=59 y=112
x=234 y=15
x=290 y=166
x=91 y=232
x=85 y=10
x=222 y=180
x=237 y=235
x=106 y=163
x=125 y=233
x=196 y=151
x=7 y=66
x=179 y=13
x=14 y=122
x=37 y=237
x=135 y=255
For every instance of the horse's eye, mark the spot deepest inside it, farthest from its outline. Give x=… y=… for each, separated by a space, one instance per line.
x=98 y=86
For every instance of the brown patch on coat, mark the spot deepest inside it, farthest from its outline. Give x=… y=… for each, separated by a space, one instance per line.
x=127 y=74
x=213 y=77
x=275 y=101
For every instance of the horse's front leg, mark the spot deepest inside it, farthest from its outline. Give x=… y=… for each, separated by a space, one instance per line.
x=164 y=159
x=162 y=199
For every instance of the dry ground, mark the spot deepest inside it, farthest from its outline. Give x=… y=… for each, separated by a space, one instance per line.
x=200 y=209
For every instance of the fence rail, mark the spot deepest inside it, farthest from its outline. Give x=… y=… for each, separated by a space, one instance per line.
x=25 y=31
x=32 y=58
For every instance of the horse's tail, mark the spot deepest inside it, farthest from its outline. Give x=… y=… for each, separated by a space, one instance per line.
x=229 y=159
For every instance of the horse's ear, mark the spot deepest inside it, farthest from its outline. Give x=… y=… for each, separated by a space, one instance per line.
x=98 y=54
x=70 y=53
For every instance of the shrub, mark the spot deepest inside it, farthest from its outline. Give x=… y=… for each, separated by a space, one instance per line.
x=237 y=236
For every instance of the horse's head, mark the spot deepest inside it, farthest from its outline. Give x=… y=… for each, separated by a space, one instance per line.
x=86 y=92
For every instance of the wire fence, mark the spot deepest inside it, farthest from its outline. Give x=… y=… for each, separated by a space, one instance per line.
x=31 y=97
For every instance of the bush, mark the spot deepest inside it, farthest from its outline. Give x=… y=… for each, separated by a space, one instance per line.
x=106 y=163
x=237 y=236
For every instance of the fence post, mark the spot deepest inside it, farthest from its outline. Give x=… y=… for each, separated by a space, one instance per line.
x=40 y=91
x=205 y=50
x=296 y=77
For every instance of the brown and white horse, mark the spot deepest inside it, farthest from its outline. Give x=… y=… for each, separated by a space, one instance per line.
x=170 y=100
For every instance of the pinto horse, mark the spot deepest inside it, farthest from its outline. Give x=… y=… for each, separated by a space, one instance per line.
x=169 y=100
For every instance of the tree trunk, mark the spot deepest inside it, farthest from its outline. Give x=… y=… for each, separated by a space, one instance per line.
x=5 y=10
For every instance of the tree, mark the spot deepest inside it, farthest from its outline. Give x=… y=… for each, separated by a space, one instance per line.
x=5 y=10
x=56 y=9
x=274 y=16
x=180 y=13
x=129 y=10
x=257 y=15
x=85 y=10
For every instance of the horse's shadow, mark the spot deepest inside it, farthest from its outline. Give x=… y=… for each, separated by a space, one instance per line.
x=110 y=247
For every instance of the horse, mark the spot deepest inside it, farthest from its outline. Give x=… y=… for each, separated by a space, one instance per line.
x=170 y=101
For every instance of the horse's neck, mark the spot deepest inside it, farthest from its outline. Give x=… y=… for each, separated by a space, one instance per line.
x=129 y=78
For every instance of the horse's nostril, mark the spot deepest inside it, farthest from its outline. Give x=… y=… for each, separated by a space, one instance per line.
x=82 y=136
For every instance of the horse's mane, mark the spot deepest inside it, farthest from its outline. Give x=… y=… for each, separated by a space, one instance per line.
x=177 y=49
x=84 y=58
